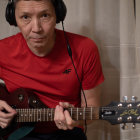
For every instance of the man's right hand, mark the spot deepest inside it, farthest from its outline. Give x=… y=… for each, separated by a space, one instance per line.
x=7 y=115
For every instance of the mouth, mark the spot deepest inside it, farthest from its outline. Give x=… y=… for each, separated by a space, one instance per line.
x=37 y=39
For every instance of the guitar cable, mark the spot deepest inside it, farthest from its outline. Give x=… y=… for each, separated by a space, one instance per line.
x=70 y=54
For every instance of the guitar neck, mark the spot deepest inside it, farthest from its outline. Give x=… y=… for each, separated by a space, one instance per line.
x=47 y=114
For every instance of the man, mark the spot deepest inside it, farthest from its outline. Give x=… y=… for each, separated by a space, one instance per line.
x=37 y=59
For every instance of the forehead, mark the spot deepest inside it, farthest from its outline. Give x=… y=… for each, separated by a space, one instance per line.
x=33 y=5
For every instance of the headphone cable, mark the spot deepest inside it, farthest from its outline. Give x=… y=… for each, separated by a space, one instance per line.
x=70 y=54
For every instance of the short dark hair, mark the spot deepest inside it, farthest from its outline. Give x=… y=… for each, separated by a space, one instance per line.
x=53 y=1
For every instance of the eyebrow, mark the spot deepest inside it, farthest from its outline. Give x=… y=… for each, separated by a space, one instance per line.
x=26 y=12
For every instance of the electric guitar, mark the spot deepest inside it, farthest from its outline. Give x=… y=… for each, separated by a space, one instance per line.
x=30 y=109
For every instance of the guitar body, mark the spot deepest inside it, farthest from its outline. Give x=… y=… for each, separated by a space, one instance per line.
x=21 y=98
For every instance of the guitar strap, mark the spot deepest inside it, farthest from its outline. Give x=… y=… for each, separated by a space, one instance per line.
x=21 y=132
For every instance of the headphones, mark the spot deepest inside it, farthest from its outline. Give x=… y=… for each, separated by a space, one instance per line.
x=59 y=5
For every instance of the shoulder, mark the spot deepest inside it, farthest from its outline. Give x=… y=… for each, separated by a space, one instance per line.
x=9 y=44
x=79 y=42
x=10 y=39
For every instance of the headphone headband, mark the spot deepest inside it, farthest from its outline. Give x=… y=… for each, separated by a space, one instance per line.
x=59 y=5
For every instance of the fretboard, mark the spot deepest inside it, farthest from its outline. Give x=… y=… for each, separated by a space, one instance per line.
x=47 y=114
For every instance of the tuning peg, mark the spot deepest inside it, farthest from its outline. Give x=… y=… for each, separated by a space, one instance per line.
x=124 y=126
x=134 y=126
x=133 y=98
x=125 y=98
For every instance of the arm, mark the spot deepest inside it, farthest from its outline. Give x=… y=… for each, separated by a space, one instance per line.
x=62 y=118
x=93 y=97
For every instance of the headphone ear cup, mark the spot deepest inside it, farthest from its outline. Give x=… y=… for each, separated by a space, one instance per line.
x=10 y=14
x=61 y=11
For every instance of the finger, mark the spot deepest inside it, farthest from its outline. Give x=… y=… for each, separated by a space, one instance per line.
x=62 y=126
x=4 y=105
x=4 y=120
x=70 y=123
x=3 y=125
x=65 y=104
x=69 y=120
x=59 y=115
x=59 y=118
x=6 y=115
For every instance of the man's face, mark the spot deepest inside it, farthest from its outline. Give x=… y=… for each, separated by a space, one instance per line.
x=36 y=20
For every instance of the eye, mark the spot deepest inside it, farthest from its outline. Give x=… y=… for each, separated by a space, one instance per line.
x=25 y=17
x=45 y=15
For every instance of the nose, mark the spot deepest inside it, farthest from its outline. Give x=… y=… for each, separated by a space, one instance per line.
x=36 y=26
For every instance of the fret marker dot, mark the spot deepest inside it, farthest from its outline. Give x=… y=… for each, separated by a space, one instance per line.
x=80 y=113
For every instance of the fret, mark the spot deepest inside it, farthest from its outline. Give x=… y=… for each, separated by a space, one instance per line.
x=51 y=115
x=80 y=114
x=39 y=114
x=24 y=115
x=91 y=112
x=84 y=113
x=30 y=115
x=21 y=115
x=47 y=114
x=44 y=114
x=77 y=113
x=18 y=117
x=34 y=115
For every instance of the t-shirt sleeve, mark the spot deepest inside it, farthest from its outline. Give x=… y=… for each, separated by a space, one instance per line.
x=92 y=69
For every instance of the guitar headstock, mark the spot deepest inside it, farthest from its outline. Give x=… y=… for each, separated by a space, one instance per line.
x=122 y=112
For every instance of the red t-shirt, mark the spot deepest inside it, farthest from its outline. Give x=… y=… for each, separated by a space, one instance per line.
x=52 y=77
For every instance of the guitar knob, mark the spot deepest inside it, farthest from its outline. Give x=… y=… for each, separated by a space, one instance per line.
x=124 y=126
x=133 y=98
x=134 y=126
x=125 y=98
x=20 y=97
